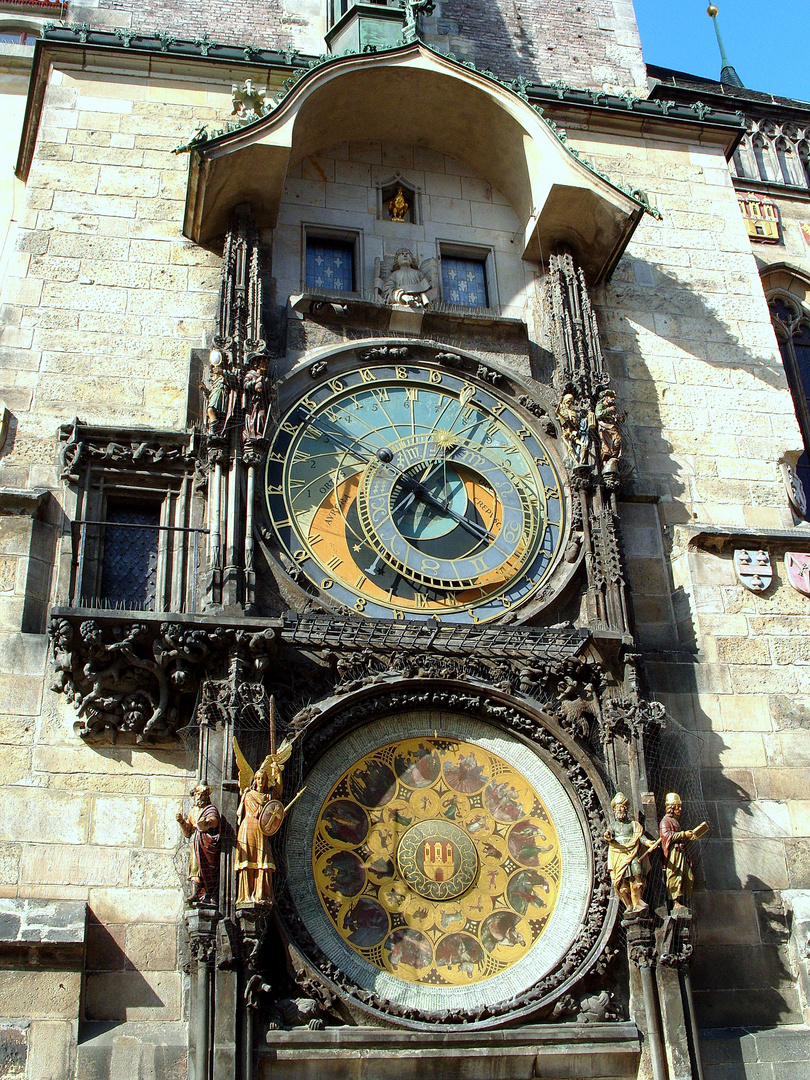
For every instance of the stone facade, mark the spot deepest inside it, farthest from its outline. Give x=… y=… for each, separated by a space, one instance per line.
x=110 y=313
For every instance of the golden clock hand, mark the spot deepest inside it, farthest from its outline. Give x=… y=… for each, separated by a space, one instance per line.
x=338 y=439
x=423 y=494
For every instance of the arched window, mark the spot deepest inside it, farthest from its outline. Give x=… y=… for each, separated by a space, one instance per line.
x=792 y=325
x=761 y=155
x=804 y=157
x=786 y=159
x=17 y=35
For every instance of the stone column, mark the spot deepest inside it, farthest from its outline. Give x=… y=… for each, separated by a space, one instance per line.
x=201 y=922
x=253 y=923
x=675 y=991
x=641 y=950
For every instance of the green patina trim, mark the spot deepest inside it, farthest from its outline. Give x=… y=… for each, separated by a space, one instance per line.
x=163 y=42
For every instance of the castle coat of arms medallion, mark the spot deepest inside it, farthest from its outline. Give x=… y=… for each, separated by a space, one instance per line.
x=753 y=569
x=797 y=565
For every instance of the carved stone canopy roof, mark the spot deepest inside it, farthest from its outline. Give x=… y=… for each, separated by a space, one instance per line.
x=418 y=96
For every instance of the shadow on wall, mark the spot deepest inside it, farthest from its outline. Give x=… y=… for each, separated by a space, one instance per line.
x=503 y=44
x=693 y=394
x=115 y=988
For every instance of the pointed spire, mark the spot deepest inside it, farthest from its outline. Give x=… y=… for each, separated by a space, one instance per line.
x=728 y=76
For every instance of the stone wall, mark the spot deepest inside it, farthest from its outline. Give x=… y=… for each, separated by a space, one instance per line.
x=338 y=190
x=103 y=297
x=593 y=43
x=709 y=416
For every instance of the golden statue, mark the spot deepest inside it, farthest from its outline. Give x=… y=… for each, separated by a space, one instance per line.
x=259 y=817
x=675 y=846
x=398 y=207
x=628 y=851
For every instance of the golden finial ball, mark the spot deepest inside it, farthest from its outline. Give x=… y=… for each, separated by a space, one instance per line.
x=712 y=11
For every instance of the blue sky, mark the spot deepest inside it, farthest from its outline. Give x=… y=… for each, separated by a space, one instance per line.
x=766 y=42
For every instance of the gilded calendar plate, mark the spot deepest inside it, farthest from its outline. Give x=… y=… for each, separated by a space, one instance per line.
x=446 y=869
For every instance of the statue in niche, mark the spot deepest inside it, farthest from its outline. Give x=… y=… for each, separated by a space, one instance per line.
x=402 y=281
x=577 y=424
x=608 y=425
x=628 y=854
x=219 y=394
x=255 y=403
x=399 y=206
x=202 y=825
x=675 y=843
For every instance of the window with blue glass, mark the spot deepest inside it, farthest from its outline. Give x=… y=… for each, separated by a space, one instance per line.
x=464 y=281
x=330 y=265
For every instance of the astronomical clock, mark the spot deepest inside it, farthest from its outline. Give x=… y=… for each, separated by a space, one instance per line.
x=401 y=487
x=443 y=861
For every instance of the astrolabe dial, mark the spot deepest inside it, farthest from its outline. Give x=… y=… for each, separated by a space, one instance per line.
x=406 y=490
x=426 y=882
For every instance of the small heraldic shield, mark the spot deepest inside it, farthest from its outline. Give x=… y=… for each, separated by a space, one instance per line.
x=753 y=569
x=797 y=564
x=271 y=817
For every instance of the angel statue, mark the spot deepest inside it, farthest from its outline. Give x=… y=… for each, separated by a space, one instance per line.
x=259 y=817
x=401 y=280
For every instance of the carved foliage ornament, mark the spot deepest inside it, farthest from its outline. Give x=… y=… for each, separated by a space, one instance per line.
x=134 y=678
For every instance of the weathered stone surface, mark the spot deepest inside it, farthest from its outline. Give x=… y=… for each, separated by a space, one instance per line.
x=45 y=994
x=798 y=863
x=133 y=995
x=35 y=815
x=136 y=905
x=746 y=864
x=726 y=918
x=53 y=864
x=52 y=1049
x=152 y=946
x=117 y=820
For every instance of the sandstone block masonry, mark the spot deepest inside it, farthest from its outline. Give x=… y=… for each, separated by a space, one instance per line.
x=534 y=40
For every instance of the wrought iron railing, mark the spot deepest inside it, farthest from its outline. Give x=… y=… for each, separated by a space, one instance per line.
x=175 y=572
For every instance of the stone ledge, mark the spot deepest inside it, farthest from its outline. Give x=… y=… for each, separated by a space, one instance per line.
x=22 y=502
x=42 y=931
x=721 y=537
x=560 y=1050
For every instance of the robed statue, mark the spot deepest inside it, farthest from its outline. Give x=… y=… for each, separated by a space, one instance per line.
x=675 y=844
x=628 y=856
x=259 y=817
x=202 y=825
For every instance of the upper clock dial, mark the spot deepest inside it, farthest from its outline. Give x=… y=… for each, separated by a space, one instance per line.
x=406 y=489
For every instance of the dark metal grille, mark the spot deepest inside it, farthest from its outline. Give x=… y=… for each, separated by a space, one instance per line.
x=129 y=561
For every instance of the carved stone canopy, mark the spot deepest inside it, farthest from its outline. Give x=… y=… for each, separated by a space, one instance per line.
x=434 y=101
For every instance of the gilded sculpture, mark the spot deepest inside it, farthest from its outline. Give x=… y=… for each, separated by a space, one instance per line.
x=399 y=206
x=675 y=843
x=628 y=856
x=608 y=420
x=202 y=825
x=577 y=424
x=402 y=281
x=259 y=817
